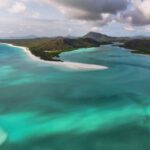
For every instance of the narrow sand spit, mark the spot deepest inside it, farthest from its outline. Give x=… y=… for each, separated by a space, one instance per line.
x=66 y=64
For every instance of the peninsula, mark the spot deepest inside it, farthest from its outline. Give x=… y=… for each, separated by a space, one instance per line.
x=50 y=48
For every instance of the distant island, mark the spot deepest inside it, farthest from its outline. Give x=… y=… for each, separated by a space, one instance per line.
x=138 y=45
x=50 y=48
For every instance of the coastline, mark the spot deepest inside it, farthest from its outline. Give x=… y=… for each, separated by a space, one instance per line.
x=67 y=64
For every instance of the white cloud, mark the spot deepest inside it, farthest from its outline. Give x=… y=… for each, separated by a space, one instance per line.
x=129 y=28
x=75 y=16
x=4 y=3
x=138 y=15
x=44 y=27
x=147 y=28
x=18 y=7
x=143 y=6
x=95 y=29
x=32 y=14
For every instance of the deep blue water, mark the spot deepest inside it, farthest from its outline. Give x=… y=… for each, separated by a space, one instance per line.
x=44 y=107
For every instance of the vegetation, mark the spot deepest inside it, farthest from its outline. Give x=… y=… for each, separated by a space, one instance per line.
x=105 y=38
x=50 y=48
x=139 y=45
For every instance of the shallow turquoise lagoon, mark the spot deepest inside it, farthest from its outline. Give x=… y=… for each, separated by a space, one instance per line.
x=47 y=107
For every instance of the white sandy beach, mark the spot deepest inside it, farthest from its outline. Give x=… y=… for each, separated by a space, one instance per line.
x=70 y=65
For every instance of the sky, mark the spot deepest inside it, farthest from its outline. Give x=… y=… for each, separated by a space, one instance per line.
x=74 y=17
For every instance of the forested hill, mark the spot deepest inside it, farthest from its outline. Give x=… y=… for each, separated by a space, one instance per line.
x=48 y=48
x=140 y=45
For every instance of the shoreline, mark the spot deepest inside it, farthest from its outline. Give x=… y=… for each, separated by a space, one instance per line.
x=66 y=64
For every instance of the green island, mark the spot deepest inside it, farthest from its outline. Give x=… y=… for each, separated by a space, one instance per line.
x=138 y=45
x=50 y=48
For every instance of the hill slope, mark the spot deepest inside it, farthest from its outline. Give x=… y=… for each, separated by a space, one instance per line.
x=141 y=45
x=105 y=38
x=48 y=48
x=98 y=37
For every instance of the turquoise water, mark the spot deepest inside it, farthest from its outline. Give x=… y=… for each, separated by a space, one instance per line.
x=44 y=107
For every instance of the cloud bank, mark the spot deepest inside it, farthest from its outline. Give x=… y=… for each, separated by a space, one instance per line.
x=73 y=17
x=101 y=11
x=139 y=15
x=133 y=12
x=92 y=9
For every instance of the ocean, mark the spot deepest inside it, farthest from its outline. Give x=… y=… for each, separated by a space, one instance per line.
x=53 y=107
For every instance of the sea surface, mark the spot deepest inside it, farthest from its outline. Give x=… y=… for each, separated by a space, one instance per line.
x=47 y=107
